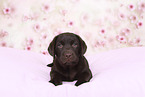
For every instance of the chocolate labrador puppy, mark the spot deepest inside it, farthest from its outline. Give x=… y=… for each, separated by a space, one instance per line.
x=69 y=64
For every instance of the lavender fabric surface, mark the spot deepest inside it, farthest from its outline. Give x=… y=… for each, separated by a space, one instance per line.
x=116 y=73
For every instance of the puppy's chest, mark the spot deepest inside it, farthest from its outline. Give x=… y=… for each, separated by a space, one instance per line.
x=70 y=74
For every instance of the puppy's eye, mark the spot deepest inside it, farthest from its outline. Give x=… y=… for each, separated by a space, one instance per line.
x=74 y=45
x=60 y=46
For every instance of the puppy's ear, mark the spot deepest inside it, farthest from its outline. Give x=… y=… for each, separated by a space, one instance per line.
x=51 y=48
x=83 y=45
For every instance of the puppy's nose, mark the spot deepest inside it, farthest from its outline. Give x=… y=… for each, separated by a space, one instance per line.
x=68 y=55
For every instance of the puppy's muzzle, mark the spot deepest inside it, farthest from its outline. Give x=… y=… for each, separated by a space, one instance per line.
x=68 y=54
x=68 y=57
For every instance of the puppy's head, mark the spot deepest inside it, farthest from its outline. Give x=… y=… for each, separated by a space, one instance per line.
x=68 y=48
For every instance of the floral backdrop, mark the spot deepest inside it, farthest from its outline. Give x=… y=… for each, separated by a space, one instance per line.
x=103 y=24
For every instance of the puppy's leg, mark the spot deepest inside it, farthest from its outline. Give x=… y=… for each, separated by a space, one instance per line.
x=55 y=78
x=83 y=77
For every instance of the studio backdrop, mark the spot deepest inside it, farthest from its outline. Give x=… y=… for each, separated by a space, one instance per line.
x=103 y=24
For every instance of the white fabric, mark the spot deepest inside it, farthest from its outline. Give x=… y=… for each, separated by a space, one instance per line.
x=117 y=73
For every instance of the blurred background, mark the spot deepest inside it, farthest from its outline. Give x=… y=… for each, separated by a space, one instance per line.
x=103 y=24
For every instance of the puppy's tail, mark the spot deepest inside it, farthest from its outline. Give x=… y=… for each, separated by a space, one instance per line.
x=50 y=65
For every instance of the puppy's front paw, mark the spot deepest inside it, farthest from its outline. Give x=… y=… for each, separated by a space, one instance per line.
x=56 y=82
x=79 y=83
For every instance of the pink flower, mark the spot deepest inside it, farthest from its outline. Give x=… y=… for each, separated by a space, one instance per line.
x=131 y=7
x=46 y=8
x=63 y=12
x=3 y=44
x=133 y=18
x=43 y=36
x=141 y=6
x=100 y=44
x=45 y=52
x=84 y=19
x=3 y=33
x=30 y=42
x=28 y=48
x=125 y=32
x=122 y=16
x=37 y=27
x=103 y=31
x=71 y=23
x=139 y=24
x=130 y=42
x=137 y=40
x=121 y=39
x=25 y=18
x=6 y=10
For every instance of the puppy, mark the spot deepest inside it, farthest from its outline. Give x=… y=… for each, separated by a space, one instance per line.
x=69 y=64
